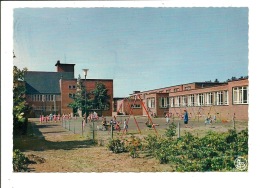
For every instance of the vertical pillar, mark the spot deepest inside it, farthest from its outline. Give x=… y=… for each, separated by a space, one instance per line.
x=179 y=130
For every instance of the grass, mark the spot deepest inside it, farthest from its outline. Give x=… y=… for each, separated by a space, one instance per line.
x=64 y=151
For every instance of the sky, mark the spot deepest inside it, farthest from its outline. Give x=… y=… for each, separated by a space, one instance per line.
x=139 y=48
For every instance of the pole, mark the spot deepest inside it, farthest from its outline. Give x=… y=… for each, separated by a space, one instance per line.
x=234 y=125
x=179 y=130
x=82 y=124
x=93 y=132
x=85 y=99
x=111 y=131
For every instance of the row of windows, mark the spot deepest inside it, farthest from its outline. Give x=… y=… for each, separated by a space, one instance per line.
x=240 y=96
x=72 y=87
x=46 y=108
x=42 y=97
x=201 y=99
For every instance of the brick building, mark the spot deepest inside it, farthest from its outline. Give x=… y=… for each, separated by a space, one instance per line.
x=50 y=92
x=222 y=100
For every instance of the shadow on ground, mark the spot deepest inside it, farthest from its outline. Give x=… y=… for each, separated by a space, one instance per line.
x=34 y=140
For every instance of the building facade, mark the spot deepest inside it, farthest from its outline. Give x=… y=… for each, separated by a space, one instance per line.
x=51 y=92
x=223 y=100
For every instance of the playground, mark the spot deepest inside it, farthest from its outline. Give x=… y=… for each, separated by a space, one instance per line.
x=142 y=126
x=65 y=147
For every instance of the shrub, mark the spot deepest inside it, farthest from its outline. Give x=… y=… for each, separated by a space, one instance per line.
x=171 y=131
x=116 y=146
x=213 y=152
x=133 y=145
x=20 y=161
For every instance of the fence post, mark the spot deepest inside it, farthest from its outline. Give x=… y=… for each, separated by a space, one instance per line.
x=93 y=132
x=111 y=131
x=74 y=127
x=82 y=124
x=69 y=125
x=234 y=124
x=179 y=130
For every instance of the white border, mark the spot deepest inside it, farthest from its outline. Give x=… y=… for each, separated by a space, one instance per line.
x=28 y=180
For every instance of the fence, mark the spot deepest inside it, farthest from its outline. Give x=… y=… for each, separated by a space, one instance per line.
x=78 y=126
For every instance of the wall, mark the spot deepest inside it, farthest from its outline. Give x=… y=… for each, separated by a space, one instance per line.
x=90 y=85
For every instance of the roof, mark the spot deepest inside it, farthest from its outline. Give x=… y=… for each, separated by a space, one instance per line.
x=44 y=82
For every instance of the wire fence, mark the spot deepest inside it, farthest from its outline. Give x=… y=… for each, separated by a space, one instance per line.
x=79 y=126
x=143 y=125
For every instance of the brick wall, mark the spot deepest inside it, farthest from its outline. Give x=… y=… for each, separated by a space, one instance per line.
x=90 y=85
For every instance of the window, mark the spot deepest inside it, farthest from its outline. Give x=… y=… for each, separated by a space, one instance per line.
x=177 y=101
x=221 y=98
x=240 y=95
x=200 y=99
x=72 y=87
x=135 y=106
x=187 y=88
x=151 y=102
x=209 y=99
x=172 y=102
x=168 y=91
x=184 y=101
x=71 y=95
x=191 y=100
x=176 y=89
x=164 y=102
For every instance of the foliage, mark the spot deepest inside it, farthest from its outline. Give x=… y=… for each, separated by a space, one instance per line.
x=116 y=146
x=79 y=98
x=100 y=97
x=95 y=99
x=20 y=108
x=171 y=131
x=133 y=145
x=213 y=152
x=20 y=161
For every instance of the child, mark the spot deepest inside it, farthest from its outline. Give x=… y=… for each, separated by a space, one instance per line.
x=117 y=126
x=125 y=126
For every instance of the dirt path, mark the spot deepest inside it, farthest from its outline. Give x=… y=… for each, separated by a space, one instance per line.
x=55 y=149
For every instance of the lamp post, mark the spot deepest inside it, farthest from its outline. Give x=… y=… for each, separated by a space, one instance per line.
x=85 y=74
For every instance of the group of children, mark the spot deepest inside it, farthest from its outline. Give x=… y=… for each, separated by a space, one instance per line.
x=49 y=118
x=55 y=118
x=114 y=124
x=93 y=116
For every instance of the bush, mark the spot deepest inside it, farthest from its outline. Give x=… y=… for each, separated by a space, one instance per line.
x=116 y=146
x=213 y=152
x=171 y=131
x=20 y=161
x=133 y=145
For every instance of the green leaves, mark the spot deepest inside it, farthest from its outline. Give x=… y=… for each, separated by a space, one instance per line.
x=213 y=152
x=100 y=97
x=20 y=107
x=20 y=161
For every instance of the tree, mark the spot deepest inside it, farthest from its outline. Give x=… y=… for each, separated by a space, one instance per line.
x=78 y=103
x=216 y=80
x=20 y=107
x=100 y=97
